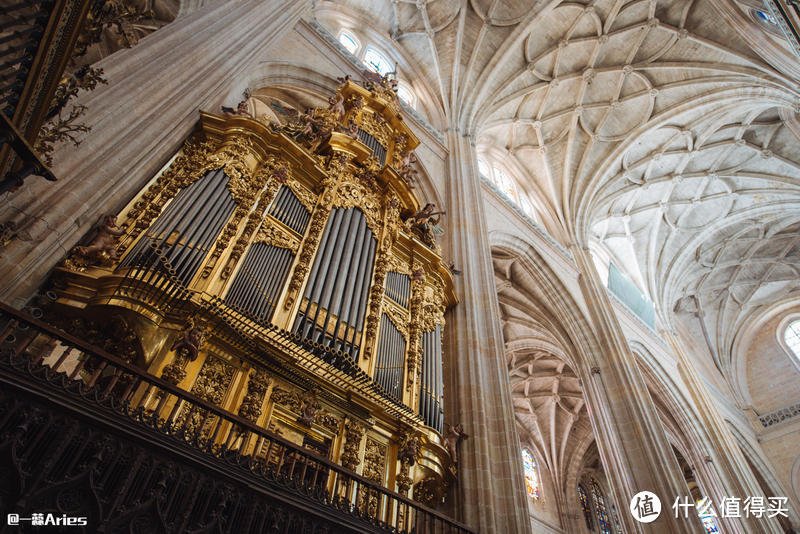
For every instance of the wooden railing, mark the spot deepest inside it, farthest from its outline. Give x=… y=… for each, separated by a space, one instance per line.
x=92 y=380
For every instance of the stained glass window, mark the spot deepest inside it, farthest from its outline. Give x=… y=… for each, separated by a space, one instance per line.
x=600 y=508
x=349 y=42
x=587 y=510
x=377 y=62
x=531 y=475
x=405 y=94
x=708 y=520
x=792 y=337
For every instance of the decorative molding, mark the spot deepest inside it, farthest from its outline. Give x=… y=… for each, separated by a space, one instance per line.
x=541 y=232
x=779 y=416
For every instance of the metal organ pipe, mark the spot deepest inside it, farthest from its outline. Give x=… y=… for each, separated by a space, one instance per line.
x=211 y=229
x=339 y=281
x=258 y=282
x=253 y=272
x=362 y=279
x=195 y=217
x=331 y=278
x=344 y=254
x=438 y=373
x=362 y=300
x=343 y=309
x=325 y=255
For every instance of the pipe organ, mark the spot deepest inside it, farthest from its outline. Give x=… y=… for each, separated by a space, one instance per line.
x=286 y=257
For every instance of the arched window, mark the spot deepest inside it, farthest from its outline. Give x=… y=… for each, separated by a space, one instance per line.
x=600 y=510
x=526 y=205
x=792 y=337
x=405 y=94
x=349 y=42
x=483 y=168
x=587 y=510
x=377 y=62
x=531 y=475
x=505 y=183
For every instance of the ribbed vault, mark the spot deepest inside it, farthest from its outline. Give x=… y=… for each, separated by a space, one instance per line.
x=548 y=400
x=649 y=126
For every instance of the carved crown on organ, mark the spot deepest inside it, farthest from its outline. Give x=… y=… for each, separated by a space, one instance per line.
x=297 y=257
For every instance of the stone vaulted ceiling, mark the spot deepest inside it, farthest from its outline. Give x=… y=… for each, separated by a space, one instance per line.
x=649 y=126
x=548 y=399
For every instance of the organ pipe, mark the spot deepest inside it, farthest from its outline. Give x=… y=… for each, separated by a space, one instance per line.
x=185 y=232
x=335 y=285
x=430 y=405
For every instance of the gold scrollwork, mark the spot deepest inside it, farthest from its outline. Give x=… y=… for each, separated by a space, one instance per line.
x=376 y=126
x=272 y=234
x=397 y=265
x=375 y=298
x=250 y=226
x=353 y=433
x=354 y=195
x=306 y=197
x=257 y=387
x=414 y=358
x=433 y=306
x=397 y=315
x=197 y=159
x=211 y=385
x=337 y=165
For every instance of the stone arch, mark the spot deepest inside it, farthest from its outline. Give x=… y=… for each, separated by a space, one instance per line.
x=752 y=325
x=764 y=474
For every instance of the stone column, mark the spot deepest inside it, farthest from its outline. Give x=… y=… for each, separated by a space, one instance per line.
x=634 y=448
x=732 y=476
x=138 y=121
x=490 y=489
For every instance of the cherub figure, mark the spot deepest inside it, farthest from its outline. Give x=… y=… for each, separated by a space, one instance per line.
x=351 y=129
x=453 y=269
x=281 y=174
x=426 y=221
x=409 y=449
x=241 y=110
x=189 y=344
x=105 y=242
x=406 y=171
x=310 y=408
x=355 y=102
x=425 y=213
x=336 y=104
x=453 y=436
